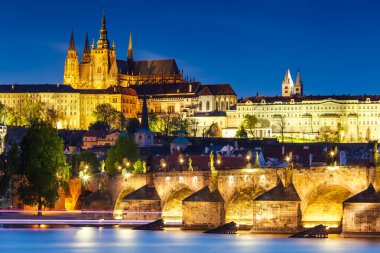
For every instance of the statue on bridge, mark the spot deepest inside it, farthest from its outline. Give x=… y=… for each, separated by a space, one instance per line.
x=190 y=165
x=212 y=167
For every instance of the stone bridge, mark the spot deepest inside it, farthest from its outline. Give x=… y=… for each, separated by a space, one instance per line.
x=321 y=190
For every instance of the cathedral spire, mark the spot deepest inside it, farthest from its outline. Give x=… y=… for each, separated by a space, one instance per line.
x=130 y=48
x=86 y=57
x=72 y=44
x=103 y=40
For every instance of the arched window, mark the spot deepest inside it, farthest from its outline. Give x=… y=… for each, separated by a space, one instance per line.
x=200 y=106
x=208 y=106
x=222 y=106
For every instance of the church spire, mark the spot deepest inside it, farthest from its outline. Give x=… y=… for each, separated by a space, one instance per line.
x=103 y=40
x=72 y=44
x=287 y=85
x=130 y=48
x=86 y=57
x=298 y=87
x=144 y=116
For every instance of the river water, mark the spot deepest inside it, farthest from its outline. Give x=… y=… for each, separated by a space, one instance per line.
x=130 y=241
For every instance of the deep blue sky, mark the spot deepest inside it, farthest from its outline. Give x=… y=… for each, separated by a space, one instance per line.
x=249 y=44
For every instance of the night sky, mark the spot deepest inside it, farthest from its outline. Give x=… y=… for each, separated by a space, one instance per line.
x=336 y=44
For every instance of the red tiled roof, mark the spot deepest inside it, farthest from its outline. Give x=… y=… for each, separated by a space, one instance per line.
x=216 y=89
x=94 y=133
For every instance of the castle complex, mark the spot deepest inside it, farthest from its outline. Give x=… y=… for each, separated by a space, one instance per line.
x=99 y=77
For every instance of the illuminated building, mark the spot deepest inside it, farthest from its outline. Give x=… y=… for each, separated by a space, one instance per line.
x=99 y=68
x=311 y=117
x=99 y=77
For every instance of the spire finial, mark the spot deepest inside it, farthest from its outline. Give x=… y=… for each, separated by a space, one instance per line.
x=130 y=48
x=104 y=20
x=299 y=84
x=103 y=40
x=86 y=43
x=130 y=41
x=72 y=44
x=86 y=57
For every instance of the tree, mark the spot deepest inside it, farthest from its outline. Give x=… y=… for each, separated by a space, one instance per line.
x=241 y=133
x=368 y=134
x=193 y=127
x=164 y=123
x=14 y=117
x=78 y=161
x=264 y=122
x=3 y=111
x=133 y=125
x=43 y=166
x=125 y=148
x=53 y=116
x=99 y=126
x=280 y=126
x=339 y=133
x=324 y=134
x=10 y=164
x=376 y=154
x=32 y=111
x=107 y=114
x=213 y=130
x=249 y=124
x=139 y=167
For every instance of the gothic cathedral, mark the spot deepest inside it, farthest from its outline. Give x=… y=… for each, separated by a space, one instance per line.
x=99 y=68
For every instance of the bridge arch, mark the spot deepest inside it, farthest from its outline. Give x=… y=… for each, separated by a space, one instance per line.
x=324 y=205
x=240 y=206
x=118 y=206
x=172 y=205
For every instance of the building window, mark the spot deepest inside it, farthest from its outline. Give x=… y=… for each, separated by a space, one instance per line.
x=170 y=109
x=200 y=106
x=207 y=105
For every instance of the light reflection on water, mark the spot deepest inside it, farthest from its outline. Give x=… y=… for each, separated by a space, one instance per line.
x=125 y=240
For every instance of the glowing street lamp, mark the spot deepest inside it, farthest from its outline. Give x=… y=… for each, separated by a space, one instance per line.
x=332 y=155
x=86 y=178
x=287 y=159
x=219 y=162
x=248 y=157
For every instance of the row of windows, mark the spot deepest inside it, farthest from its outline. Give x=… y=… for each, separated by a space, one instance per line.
x=279 y=108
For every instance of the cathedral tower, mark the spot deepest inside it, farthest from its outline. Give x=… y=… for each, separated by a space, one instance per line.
x=287 y=85
x=298 y=87
x=71 y=72
x=102 y=59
